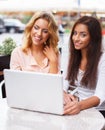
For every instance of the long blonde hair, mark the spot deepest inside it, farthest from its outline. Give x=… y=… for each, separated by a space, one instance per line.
x=52 y=27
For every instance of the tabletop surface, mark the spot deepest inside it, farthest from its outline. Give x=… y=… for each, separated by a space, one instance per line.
x=15 y=119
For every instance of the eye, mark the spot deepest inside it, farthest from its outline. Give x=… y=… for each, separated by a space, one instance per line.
x=74 y=33
x=83 y=34
x=36 y=27
x=45 y=30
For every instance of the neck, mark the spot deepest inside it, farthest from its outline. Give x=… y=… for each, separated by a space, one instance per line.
x=84 y=54
x=37 y=49
x=37 y=52
x=83 y=60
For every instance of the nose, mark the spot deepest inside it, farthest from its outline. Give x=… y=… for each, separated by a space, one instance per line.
x=76 y=37
x=39 y=32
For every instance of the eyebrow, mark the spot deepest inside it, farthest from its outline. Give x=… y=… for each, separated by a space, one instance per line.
x=39 y=27
x=84 y=32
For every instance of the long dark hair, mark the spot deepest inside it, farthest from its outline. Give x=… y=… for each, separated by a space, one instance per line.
x=93 y=53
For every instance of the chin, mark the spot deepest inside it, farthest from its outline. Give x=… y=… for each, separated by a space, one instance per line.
x=36 y=43
x=77 y=48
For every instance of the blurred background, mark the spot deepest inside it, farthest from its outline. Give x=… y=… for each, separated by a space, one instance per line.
x=14 y=15
x=66 y=11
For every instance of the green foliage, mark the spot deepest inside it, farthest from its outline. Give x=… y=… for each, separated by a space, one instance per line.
x=7 y=46
x=26 y=19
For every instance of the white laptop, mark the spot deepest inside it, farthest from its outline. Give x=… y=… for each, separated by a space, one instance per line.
x=34 y=91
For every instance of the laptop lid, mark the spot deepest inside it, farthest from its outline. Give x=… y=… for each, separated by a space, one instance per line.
x=34 y=91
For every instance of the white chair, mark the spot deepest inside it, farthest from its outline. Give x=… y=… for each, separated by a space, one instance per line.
x=1 y=84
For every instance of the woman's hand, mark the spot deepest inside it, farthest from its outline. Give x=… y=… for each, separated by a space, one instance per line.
x=50 y=54
x=71 y=104
x=67 y=97
x=53 y=59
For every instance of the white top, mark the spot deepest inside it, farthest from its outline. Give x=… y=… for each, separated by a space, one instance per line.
x=84 y=93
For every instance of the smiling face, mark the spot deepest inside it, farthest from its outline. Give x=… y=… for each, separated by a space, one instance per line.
x=39 y=32
x=80 y=37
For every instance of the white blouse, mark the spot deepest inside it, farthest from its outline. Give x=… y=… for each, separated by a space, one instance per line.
x=84 y=93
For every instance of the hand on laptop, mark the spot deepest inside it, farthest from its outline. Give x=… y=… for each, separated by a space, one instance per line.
x=67 y=98
x=71 y=104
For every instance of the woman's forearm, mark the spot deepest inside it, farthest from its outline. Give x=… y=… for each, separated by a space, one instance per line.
x=90 y=102
x=54 y=68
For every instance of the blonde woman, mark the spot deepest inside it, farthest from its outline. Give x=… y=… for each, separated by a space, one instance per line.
x=39 y=50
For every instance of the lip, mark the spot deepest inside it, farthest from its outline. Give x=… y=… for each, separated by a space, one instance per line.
x=77 y=44
x=37 y=38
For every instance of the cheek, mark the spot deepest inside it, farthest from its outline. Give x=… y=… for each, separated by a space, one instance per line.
x=87 y=41
x=31 y=33
x=73 y=38
x=46 y=36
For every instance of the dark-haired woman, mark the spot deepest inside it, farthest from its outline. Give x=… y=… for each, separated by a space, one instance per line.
x=86 y=68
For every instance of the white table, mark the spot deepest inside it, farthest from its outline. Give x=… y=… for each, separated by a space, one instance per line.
x=15 y=119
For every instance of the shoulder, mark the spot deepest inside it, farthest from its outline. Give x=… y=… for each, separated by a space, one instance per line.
x=102 y=60
x=18 y=49
x=102 y=57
